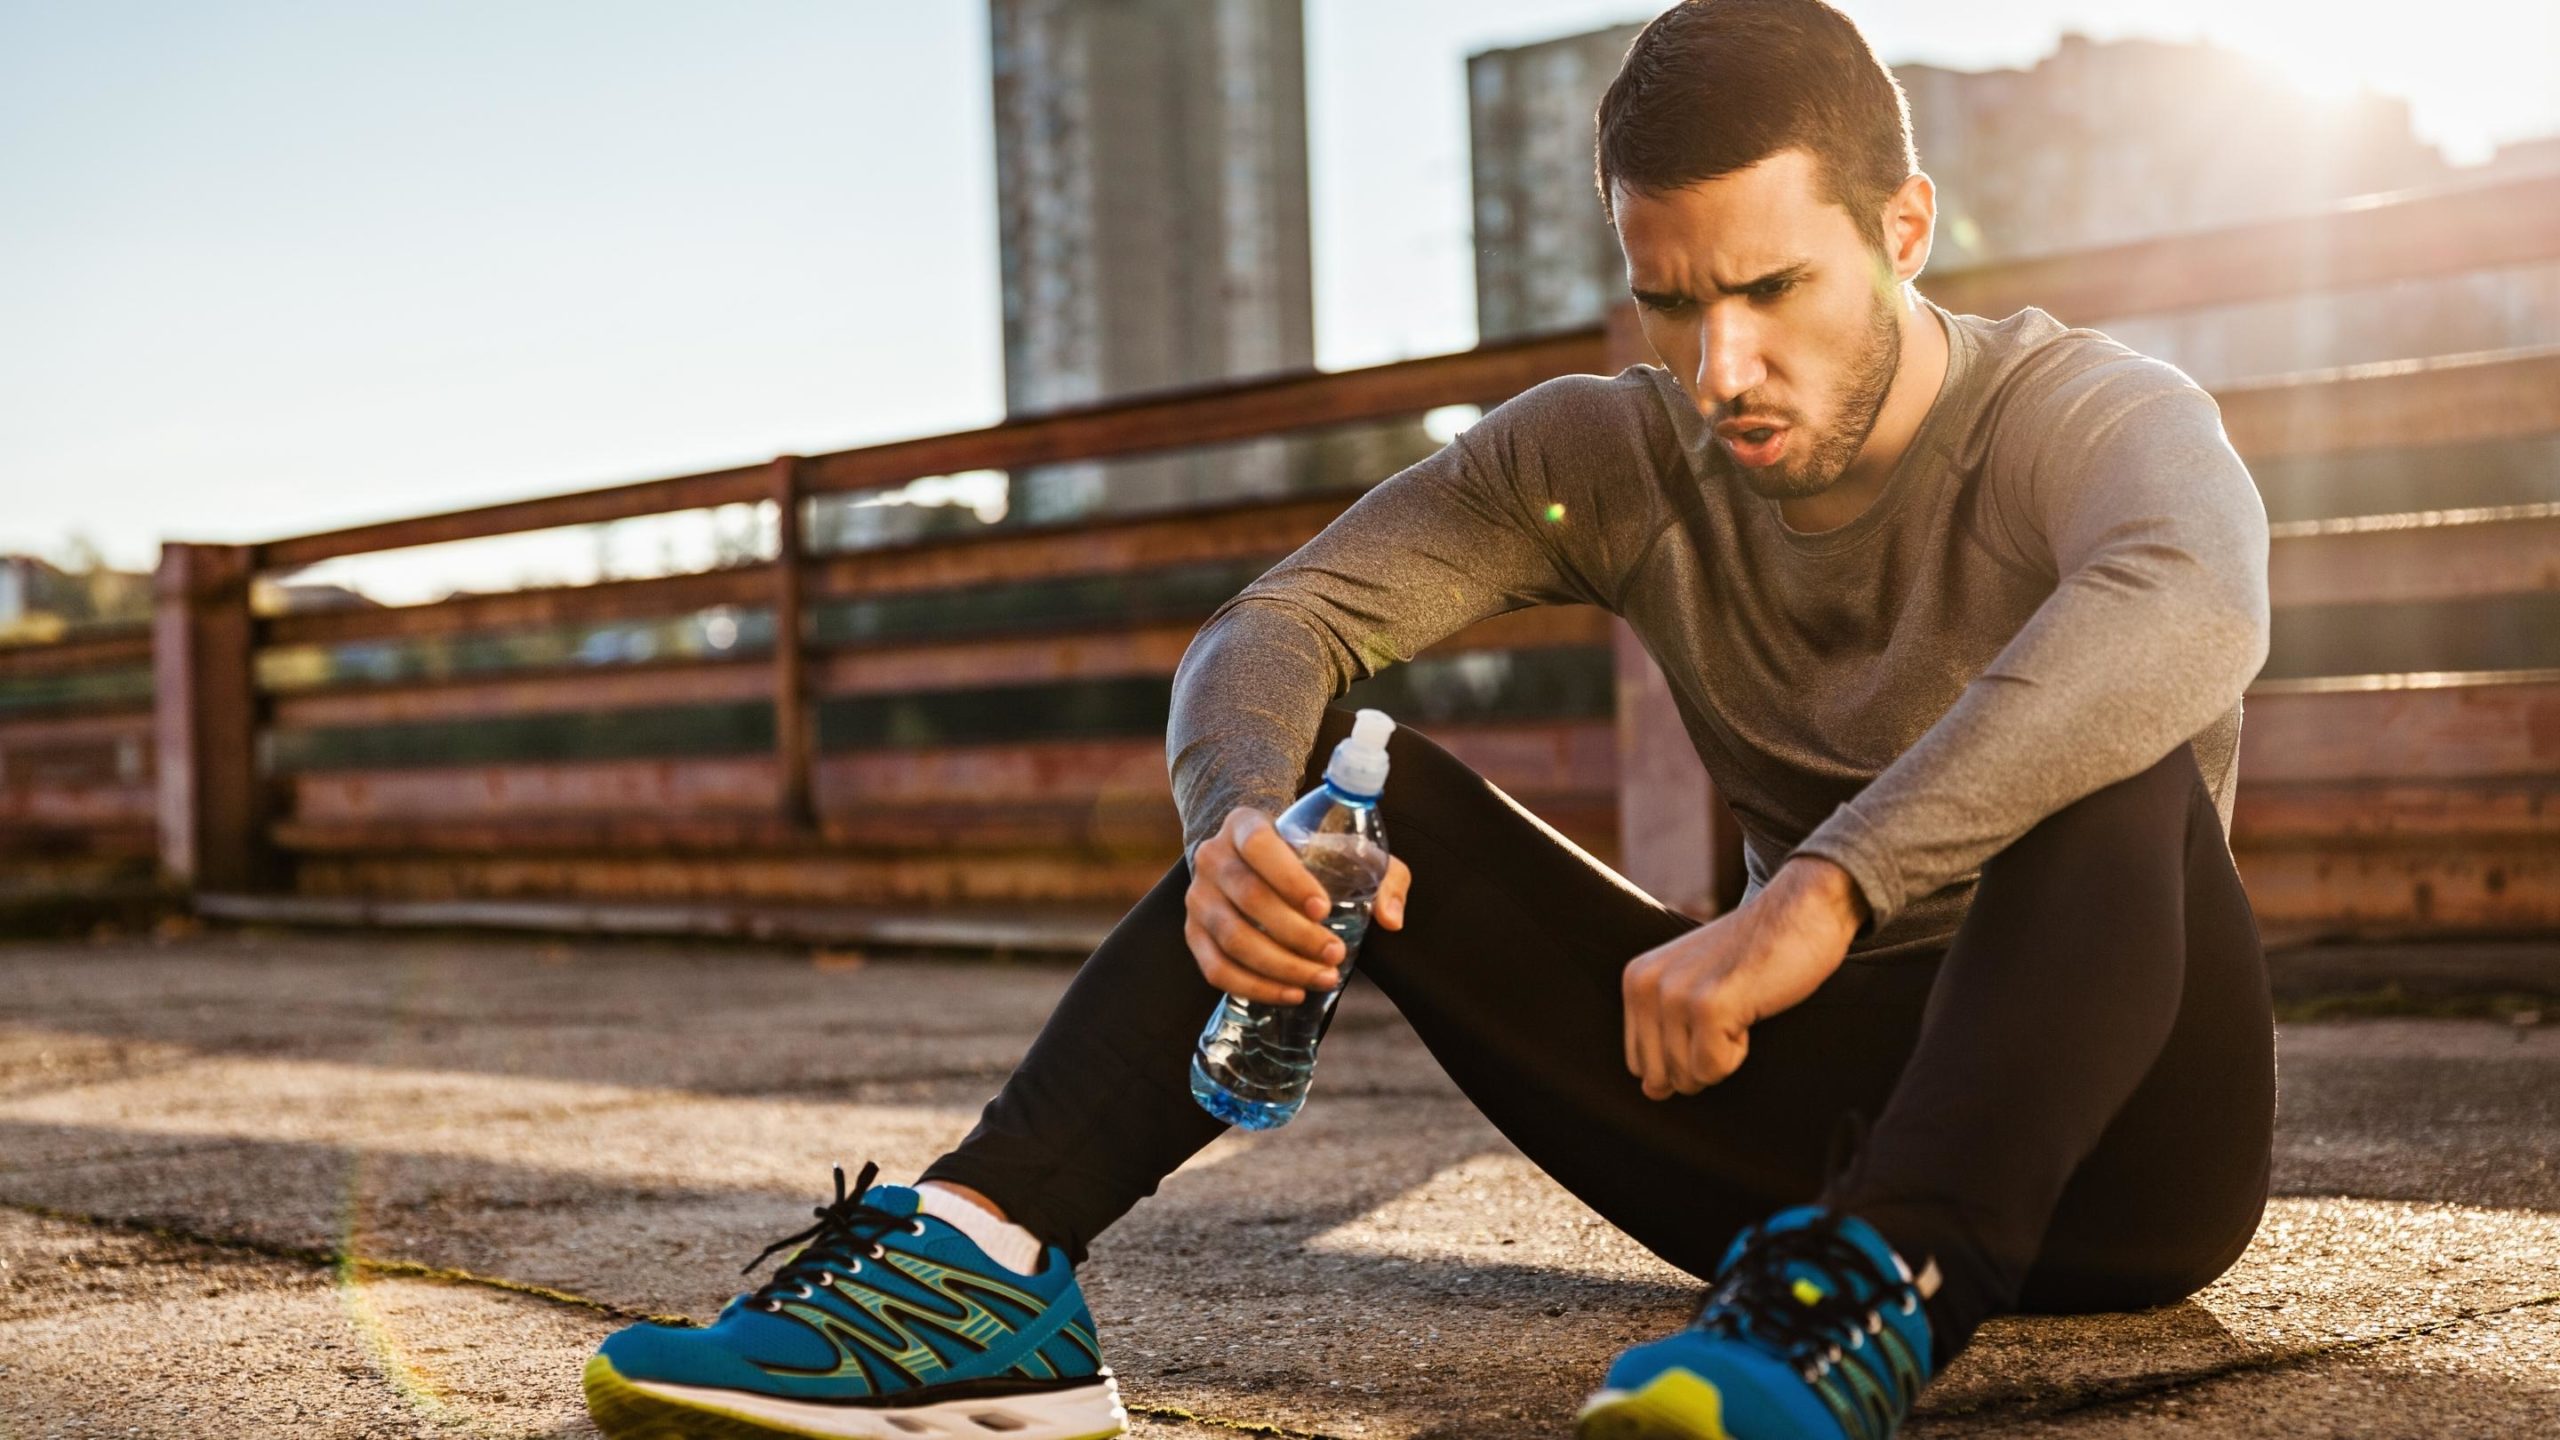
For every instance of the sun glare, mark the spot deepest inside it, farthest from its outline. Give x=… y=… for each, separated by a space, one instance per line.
x=2473 y=71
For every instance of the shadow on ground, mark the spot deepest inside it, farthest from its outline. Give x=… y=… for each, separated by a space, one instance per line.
x=365 y=1185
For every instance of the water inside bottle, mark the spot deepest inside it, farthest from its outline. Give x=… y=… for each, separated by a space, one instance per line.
x=1265 y=1053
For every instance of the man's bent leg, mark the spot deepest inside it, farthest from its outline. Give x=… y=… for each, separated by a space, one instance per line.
x=1508 y=967
x=1100 y=1109
x=2098 y=1034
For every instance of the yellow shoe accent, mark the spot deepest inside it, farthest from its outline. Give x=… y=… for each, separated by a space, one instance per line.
x=1674 y=1405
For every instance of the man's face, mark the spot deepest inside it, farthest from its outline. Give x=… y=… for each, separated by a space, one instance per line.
x=1769 y=306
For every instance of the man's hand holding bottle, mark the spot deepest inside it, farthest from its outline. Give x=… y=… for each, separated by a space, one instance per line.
x=1255 y=913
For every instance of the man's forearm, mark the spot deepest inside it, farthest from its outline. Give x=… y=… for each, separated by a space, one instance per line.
x=1248 y=698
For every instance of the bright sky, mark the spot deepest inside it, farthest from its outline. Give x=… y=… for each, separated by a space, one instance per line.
x=269 y=267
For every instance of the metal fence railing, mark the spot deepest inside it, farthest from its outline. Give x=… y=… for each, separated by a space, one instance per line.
x=971 y=725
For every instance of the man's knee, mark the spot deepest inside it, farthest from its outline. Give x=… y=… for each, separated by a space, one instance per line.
x=2156 y=797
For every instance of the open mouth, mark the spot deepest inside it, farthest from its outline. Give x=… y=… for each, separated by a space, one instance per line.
x=1761 y=445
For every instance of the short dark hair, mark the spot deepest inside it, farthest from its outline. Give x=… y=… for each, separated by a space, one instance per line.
x=1715 y=86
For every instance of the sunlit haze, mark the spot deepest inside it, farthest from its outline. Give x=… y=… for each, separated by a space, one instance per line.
x=268 y=268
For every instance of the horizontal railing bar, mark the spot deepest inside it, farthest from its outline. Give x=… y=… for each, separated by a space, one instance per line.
x=1004 y=927
x=1050 y=825
x=1110 y=545
x=2316 y=813
x=637 y=685
x=2469 y=729
x=2457 y=398
x=79 y=805
x=1088 y=652
x=1193 y=415
x=654 y=598
x=2419 y=556
x=2476 y=680
x=742 y=484
x=121 y=649
x=2445 y=887
x=1115 y=545
x=2403 y=235
x=1222 y=411
x=2441 y=400
x=122 y=720
x=1523 y=757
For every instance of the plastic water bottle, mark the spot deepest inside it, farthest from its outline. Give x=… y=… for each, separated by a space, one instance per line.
x=1255 y=1058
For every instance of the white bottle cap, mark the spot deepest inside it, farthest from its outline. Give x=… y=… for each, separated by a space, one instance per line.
x=1359 y=765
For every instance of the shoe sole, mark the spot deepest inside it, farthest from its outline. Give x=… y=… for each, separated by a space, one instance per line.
x=627 y=1409
x=1674 y=1405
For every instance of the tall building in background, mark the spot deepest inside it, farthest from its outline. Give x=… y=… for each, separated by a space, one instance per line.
x=1545 y=256
x=1151 y=174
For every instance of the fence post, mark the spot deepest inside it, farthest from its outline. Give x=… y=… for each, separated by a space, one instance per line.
x=213 y=834
x=792 y=725
x=1676 y=837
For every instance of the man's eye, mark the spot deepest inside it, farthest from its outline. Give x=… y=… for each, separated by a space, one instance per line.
x=1772 y=292
x=1664 y=304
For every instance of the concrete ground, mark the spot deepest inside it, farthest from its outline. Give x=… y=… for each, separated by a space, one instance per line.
x=328 y=1185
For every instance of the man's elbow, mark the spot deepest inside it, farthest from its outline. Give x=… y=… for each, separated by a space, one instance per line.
x=2238 y=636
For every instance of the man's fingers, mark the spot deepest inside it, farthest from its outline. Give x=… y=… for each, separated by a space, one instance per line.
x=1242 y=942
x=1644 y=1025
x=1390 y=906
x=1679 y=1038
x=1272 y=859
x=1224 y=973
x=1267 y=908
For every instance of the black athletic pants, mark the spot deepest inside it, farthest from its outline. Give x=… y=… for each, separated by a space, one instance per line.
x=2071 y=1107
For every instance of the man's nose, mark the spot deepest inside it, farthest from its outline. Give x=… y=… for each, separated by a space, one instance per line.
x=1728 y=358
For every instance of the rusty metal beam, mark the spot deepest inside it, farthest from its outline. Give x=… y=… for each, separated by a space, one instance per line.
x=599 y=787
x=1195 y=415
x=212 y=805
x=2422 y=556
x=634 y=686
x=120 y=649
x=28 y=840
x=122 y=723
x=1221 y=411
x=2334 y=815
x=794 y=723
x=2501 y=395
x=1072 y=931
x=743 y=485
x=2405 y=235
x=2443 y=888
x=522 y=609
x=2477 y=725
x=1129 y=824
x=1524 y=758
x=805 y=877
x=79 y=805
x=869 y=668
x=1239 y=530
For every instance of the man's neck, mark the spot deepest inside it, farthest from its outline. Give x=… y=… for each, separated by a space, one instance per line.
x=1906 y=405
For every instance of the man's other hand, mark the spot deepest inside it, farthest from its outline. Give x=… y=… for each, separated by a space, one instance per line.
x=1254 y=916
x=1691 y=1002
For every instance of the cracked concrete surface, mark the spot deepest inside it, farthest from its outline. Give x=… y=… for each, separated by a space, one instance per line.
x=366 y=1185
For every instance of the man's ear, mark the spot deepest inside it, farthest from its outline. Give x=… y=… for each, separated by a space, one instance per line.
x=1910 y=224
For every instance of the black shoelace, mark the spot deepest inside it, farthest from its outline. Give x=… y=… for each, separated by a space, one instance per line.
x=1758 y=1292
x=847 y=1233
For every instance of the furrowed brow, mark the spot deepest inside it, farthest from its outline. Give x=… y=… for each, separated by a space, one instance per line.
x=1771 y=280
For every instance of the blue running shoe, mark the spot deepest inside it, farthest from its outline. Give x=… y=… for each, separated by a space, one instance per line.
x=1814 y=1329
x=887 y=1324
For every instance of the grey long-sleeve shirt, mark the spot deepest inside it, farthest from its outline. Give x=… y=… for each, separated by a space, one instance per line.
x=2064 y=579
